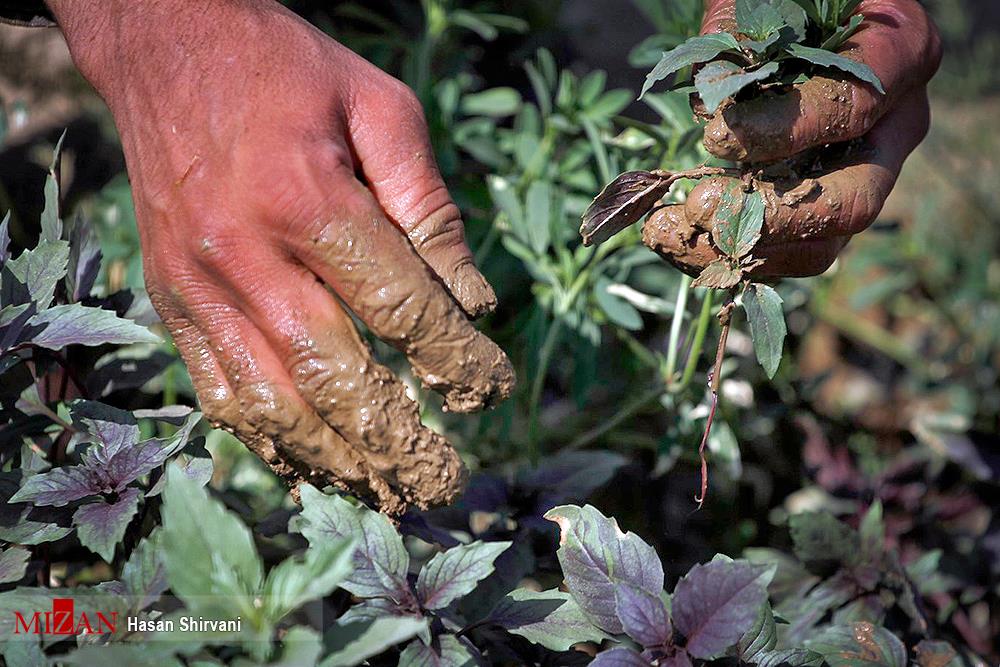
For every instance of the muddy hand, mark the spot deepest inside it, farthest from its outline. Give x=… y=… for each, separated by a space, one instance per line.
x=809 y=219
x=280 y=183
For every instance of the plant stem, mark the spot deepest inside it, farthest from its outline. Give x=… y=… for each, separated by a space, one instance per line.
x=725 y=319
x=627 y=411
x=538 y=383
x=701 y=328
x=680 y=309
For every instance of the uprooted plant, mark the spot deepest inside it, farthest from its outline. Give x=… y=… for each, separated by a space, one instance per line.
x=774 y=44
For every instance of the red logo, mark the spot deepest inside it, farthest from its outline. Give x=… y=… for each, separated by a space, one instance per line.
x=63 y=621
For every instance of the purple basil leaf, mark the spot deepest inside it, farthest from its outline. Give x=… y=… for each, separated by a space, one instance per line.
x=550 y=618
x=381 y=562
x=13 y=320
x=101 y=526
x=110 y=429
x=73 y=324
x=716 y=603
x=622 y=203
x=58 y=487
x=122 y=373
x=13 y=564
x=620 y=657
x=130 y=464
x=84 y=259
x=195 y=463
x=416 y=524
x=643 y=616
x=5 y=239
x=680 y=658
x=596 y=556
x=451 y=651
x=451 y=574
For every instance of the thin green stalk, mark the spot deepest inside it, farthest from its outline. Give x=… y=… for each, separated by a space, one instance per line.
x=680 y=309
x=701 y=328
x=627 y=411
x=538 y=383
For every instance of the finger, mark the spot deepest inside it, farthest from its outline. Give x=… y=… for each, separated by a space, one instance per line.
x=806 y=221
x=333 y=369
x=250 y=395
x=389 y=136
x=897 y=40
x=376 y=272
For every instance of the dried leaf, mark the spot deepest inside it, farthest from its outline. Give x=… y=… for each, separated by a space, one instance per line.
x=719 y=274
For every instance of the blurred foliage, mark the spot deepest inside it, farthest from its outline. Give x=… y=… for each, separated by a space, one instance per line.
x=888 y=393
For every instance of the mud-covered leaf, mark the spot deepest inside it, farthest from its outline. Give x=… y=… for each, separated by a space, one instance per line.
x=380 y=560
x=931 y=653
x=859 y=645
x=622 y=203
x=353 y=643
x=552 y=619
x=720 y=274
x=715 y=603
x=73 y=324
x=596 y=556
x=295 y=581
x=767 y=325
x=453 y=573
x=620 y=657
x=825 y=58
x=101 y=526
x=819 y=537
x=644 y=616
x=721 y=79
x=13 y=564
x=695 y=50
x=737 y=222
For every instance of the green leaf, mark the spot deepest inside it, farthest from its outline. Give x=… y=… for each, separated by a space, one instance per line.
x=859 y=645
x=209 y=554
x=610 y=103
x=795 y=657
x=50 y=222
x=144 y=576
x=4 y=235
x=767 y=325
x=758 y=19
x=453 y=573
x=449 y=652
x=495 y=102
x=13 y=564
x=73 y=324
x=720 y=274
x=40 y=269
x=842 y=34
x=294 y=581
x=720 y=80
x=738 y=220
x=551 y=619
x=872 y=533
x=820 y=537
x=301 y=645
x=936 y=654
x=760 y=638
x=828 y=59
x=380 y=560
x=618 y=310
x=695 y=50
x=370 y=638
x=539 y=216
x=23 y=653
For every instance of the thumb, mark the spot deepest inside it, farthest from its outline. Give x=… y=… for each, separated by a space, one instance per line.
x=390 y=140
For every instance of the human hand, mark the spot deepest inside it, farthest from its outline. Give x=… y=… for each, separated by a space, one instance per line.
x=280 y=180
x=818 y=197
